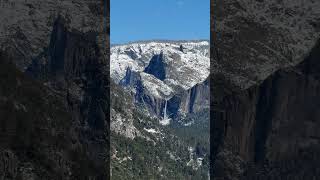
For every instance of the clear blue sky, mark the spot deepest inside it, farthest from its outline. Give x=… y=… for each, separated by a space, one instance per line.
x=132 y=20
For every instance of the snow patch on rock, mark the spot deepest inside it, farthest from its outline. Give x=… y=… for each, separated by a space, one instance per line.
x=151 y=130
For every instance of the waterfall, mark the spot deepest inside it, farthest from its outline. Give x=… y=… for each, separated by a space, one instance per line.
x=165 y=111
x=166 y=119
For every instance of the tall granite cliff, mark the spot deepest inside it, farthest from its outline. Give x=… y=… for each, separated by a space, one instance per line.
x=269 y=131
x=59 y=48
x=190 y=101
x=265 y=90
x=271 y=128
x=73 y=66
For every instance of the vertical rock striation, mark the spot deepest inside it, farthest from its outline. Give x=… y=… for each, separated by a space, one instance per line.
x=73 y=66
x=190 y=101
x=265 y=90
x=54 y=125
x=271 y=128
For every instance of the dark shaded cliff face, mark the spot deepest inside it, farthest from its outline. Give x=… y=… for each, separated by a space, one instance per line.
x=55 y=123
x=27 y=25
x=73 y=66
x=269 y=131
x=156 y=67
x=191 y=101
x=264 y=106
x=39 y=139
x=141 y=96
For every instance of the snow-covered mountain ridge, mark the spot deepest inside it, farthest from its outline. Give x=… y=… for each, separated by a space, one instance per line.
x=157 y=71
x=194 y=57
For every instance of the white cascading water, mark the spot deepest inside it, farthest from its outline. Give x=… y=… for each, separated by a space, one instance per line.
x=165 y=111
x=166 y=119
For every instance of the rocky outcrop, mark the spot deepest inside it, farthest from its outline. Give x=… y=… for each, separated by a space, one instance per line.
x=131 y=78
x=190 y=101
x=133 y=82
x=181 y=48
x=122 y=113
x=271 y=128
